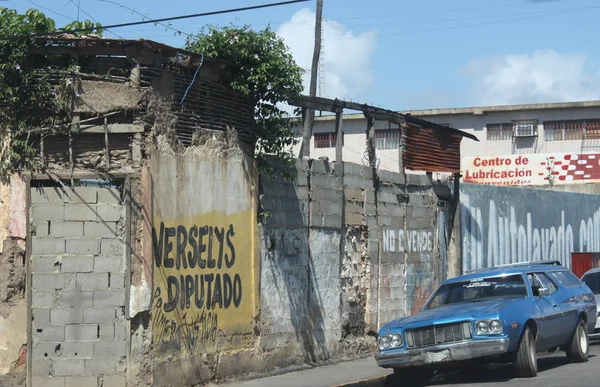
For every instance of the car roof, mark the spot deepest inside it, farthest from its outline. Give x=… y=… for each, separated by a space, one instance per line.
x=517 y=268
x=592 y=271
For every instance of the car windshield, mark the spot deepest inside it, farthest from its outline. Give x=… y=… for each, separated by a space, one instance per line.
x=592 y=280
x=479 y=289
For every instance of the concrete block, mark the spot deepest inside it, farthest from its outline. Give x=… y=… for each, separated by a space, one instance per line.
x=66 y=229
x=47 y=195
x=81 y=212
x=48 y=281
x=369 y=195
x=354 y=194
x=49 y=333
x=419 y=223
x=392 y=177
x=45 y=264
x=78 y=350
x=81 y=332
x=301 y=179
x=116 y=280
x=104 y=366
x=47 y=246
x=301 y=165
x=418 y=180
x=68 y=367
x=105 y=264
x=356 y=207
x=319 y=166
x=115 y=380
x=41 y=229
x=352 y=218
x=66 y=315
x=99 y=315
x=332 y=221
x=120 y=332
x=302 y=193
x=88 y=195
x=352 y=169
x=43 y=298
x=108 y=349
x=110 y=212
x=387 y=197
x=423 y=212
x=40 y=316
x=103 y=298
x=83 y=246
x=92 y=280
x=83 y=381
x=78 y=264
x=316 y=220
x=76 y=298
x=422 y=200
x=106 y=332
x=112 y=247
x=372 y=223
x=369 y=208
x=323 y=181
x=45 y=350
x=50 y=211
x=319 y=193
x=40 y=367
x=358 y=182
x=109 y=195
x=49 y=381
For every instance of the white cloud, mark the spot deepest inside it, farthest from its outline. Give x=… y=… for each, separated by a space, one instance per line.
x=540 y=77
x=347 y=56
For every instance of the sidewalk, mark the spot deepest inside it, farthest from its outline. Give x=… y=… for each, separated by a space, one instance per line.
x=351 y=373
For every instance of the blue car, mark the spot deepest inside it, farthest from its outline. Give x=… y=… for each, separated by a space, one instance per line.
x=507 y=313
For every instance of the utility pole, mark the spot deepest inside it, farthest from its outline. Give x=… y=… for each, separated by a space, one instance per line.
x=309 y=117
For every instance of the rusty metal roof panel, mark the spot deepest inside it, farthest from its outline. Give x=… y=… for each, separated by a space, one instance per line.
x=430 y=150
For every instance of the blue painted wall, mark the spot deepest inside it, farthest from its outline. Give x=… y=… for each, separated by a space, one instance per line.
x=502 y=225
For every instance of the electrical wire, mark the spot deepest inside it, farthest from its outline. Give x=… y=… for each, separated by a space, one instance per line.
x=193 y=79
x=156 y=21
x=91 y=17
x=50 y=10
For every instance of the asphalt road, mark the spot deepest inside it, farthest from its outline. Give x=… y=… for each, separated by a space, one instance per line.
x=553 y=371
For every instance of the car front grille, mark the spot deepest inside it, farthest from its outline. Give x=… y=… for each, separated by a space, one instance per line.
x=438 y=334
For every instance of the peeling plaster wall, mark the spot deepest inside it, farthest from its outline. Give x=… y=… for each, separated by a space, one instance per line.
x=13 y=306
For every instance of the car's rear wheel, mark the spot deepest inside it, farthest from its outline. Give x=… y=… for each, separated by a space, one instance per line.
x=526 y=357
x=412 y=376
x=578 y=349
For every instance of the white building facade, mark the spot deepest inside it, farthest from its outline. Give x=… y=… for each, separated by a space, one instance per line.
x=518 y=144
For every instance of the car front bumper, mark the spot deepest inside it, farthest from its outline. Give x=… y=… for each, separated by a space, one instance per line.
x=465 y=350
x=595 y=335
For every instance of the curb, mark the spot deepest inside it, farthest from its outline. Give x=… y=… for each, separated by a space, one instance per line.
x=378 y=381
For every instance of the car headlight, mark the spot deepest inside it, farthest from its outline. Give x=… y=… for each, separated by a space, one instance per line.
x=391 y=341
x=488 y=327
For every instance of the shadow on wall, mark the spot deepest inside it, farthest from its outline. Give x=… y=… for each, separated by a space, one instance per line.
x=292 y=307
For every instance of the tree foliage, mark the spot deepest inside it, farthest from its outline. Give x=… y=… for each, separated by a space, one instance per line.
x=266 y=71
x=29 y=102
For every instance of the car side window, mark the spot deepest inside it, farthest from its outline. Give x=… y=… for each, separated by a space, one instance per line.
x=539 y=281
x=565 y=278
x=546 y=282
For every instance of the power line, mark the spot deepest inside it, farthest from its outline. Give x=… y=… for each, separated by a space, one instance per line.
x=91 y=17
x=190 y=16
x=51 y=10
x=463 y=26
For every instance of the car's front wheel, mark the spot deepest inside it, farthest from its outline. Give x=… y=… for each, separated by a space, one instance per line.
x=578 y=348
x=526 y=356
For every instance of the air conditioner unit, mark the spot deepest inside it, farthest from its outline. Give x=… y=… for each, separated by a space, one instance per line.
x=525 y=129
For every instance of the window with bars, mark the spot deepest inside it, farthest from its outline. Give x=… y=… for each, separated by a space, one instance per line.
x=325 y=140
x=500 y=131
x=571 y=130
x=387 y=139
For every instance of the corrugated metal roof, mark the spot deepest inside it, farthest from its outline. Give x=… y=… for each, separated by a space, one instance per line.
x=431 y=150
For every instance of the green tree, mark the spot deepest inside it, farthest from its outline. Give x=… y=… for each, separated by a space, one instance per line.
x=88 y=27
x=266 y=71
x=28 y=100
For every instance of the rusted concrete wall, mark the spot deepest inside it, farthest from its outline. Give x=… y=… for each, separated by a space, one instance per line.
x=13 y=305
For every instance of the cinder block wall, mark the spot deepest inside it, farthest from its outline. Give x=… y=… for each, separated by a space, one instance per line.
x=78 y=269
x=341 y=256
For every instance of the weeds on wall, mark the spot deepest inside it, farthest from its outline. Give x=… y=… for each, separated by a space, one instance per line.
x=33 y=101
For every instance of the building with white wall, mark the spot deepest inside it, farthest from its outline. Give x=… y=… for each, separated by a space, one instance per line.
x=540 y=129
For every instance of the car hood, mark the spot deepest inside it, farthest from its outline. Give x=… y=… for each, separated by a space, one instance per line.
x=458 y=312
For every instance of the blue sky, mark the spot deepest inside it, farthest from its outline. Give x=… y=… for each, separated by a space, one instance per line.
x=402 y=54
